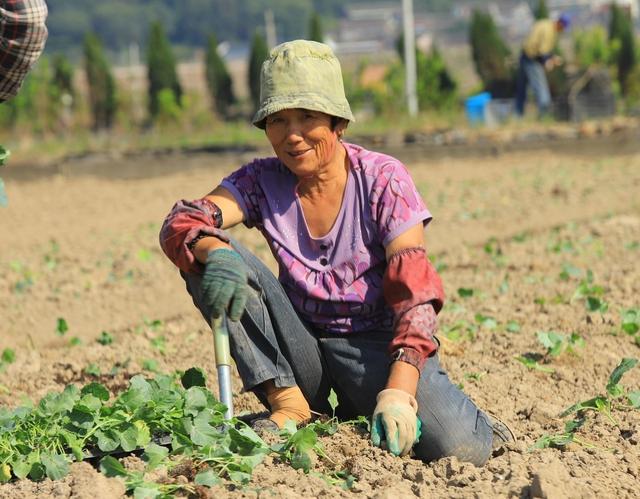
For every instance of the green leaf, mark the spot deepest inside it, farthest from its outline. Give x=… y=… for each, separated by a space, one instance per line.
x=631 y=320
x=594 y=403
x=465 y=292
x=105 y=338
x=594 y=304
x=301 y=460
x=195 y=400
x=5 y=473
x=532 y=364
x=146 y=491
x=486 y=321
x=616 y=375
x=513 y=327
x=128 y=437
x=97 y=390
x=634 y=399
x=21 y=468
x=193 y=377
x=61 y=326
x=207 y=478
x=144 y=433
x=8 y=356
x=107 y=440
x=239 y=477
x=111 y=467
x=4 y=155
x=37 y=472
x=333 y=401
x=56 y=466
x=154 y=454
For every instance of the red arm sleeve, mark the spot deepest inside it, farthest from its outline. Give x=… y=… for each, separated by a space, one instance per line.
x=186 y=221
x=413 y=290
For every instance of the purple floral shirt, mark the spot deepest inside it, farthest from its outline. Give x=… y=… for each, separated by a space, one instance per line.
x=334 y=281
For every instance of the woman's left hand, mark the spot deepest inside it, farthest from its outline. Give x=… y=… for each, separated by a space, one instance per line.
x=395 y=421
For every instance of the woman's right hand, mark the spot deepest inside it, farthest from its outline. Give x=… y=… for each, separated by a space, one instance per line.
x=224 y=283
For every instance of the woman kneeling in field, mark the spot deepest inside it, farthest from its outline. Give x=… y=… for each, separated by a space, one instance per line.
x=354 y=307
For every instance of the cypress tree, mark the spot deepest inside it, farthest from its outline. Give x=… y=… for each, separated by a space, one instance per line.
x=161 y=68
x=621 y=35
x=315 y=28
x=259 y=53
x=63 y=75
x=218 y=78
x=490 y=53
x=541 y=11
x=102 y=87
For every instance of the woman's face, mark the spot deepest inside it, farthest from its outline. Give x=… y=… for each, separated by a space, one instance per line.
x=303 y=140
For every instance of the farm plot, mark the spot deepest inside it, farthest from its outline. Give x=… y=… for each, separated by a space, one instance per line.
x=539 y=259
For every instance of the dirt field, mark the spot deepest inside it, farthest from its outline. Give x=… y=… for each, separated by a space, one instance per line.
x=85 y=249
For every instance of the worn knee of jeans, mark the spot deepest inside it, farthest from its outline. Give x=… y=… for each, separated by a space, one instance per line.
x=470 y=444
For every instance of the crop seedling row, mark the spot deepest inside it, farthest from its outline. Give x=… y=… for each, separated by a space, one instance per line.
x=42 y=440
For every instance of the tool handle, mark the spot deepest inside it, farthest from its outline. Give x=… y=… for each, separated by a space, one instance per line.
x=221 y=341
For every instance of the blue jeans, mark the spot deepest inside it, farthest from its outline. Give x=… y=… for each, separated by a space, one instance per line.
x=272 y=342
x=531 y=72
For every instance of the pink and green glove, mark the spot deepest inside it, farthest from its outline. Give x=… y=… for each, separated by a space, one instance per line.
x=395 y=421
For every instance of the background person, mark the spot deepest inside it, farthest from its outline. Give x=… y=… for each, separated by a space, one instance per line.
x=22 y=38
x=535 y=59
x=354 y=308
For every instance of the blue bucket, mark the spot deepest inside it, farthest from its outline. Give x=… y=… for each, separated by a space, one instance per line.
x=475 y=107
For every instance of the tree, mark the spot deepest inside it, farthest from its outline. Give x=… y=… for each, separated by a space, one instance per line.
x=490 y=53
x=161 y=69
x=541 y=11
x=315 y=28
x=259 y=53
x=63 y=75
x=218 y=78
x=622 y=40
x=102 y=87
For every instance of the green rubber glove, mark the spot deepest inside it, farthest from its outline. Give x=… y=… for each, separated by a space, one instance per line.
x=395 y=421
x=224 y=283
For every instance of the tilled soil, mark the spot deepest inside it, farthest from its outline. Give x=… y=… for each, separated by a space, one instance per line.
x=85 y=249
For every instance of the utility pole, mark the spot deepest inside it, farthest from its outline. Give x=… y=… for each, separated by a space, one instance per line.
x=270 y=28
x=409 y=57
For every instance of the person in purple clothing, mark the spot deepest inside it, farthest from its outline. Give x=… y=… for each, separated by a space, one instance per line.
x=354 y=306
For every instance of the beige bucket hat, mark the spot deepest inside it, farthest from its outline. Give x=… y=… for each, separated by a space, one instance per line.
x=302 y=74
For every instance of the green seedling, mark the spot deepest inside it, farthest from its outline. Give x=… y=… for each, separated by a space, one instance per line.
x=75 y=341
x=531 y=363
x=561 y=440
x=92 y=370
x=42 y=440
x=512 y=327
x=591 y=293
x=616 y=397
x=630 y=320
x=485 y=321
x=61 y=326
x=144 y=255
x=570 y=272
x=465 y=292
x=459 y=331
x=557 y=343
x=8 y=357
x=160 y=344
x=51 y=257
x=474 y=376
x=150 y=365
x=105 y=338
x=632 y=246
